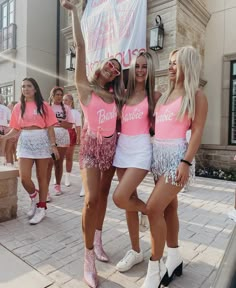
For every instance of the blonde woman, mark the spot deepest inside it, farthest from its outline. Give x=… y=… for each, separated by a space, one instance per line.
x=74 y=133
x=183 y=105
x=134 y=150
x=98 y=97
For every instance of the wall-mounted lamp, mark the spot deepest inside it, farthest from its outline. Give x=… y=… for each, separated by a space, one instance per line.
x=70 y=60
x=157 y=35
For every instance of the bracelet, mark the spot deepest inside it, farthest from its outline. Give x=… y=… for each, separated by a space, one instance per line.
x=186 y=161
x=54 y=145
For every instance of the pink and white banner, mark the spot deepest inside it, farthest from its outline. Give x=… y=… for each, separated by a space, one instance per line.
x=114 y=28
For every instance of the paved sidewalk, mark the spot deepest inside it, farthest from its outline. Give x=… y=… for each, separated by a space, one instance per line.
x=55 y=246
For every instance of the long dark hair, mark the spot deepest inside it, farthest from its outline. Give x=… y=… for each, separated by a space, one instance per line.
x=38 y=98
x=52 y=94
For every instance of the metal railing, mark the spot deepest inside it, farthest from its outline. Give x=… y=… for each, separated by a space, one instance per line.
x=226 y=274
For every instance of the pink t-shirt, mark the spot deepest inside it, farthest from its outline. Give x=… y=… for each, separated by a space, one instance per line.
x=31 y=116
x=134 y=120
x=100 y=116
x=61 y=115
x=167 y=126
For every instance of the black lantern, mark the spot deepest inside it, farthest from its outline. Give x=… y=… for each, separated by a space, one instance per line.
x=70 y=60
x=157 y=35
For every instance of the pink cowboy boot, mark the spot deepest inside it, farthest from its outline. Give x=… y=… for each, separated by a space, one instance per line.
x=90 y=272
x=98 y=249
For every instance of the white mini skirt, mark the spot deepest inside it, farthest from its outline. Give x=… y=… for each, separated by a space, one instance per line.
x=62 y=137
x=133 y=151
x=33 y=144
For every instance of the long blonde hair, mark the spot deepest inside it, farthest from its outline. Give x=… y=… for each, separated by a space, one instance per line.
x=189 y=62
x=115 y=89
x=149 y=84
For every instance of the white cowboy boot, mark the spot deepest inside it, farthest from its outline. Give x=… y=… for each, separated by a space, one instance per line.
x=174 y=263
x=157 y=275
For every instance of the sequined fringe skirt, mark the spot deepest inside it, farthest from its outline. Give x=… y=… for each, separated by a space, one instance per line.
x=95 y=152
x=167 y=154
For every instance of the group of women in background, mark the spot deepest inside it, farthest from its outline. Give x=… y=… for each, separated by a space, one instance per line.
x=46 y=133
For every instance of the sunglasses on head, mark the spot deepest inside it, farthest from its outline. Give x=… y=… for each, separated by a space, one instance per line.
x=111 y=66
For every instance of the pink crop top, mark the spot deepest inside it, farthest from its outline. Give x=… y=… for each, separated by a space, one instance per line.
x=167 y=126
x=100 y=117
x=134 y=120
x=31 y=117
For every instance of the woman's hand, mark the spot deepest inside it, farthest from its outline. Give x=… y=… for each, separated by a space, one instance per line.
x=67 y=4
x=182 y=174
x=56 y=153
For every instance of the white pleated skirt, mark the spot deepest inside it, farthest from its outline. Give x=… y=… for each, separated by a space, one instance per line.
x=133 y=151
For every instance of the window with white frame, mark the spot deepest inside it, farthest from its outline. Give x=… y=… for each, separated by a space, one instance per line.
x=7 y=25
x=232 y=107
x=7 y=90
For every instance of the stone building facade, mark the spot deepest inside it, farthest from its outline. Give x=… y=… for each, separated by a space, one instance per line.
x=208 y=26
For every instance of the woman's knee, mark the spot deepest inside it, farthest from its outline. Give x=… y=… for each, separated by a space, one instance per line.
x=154 y=210
x=91 y=202
x=25 y=180
x=119 y=200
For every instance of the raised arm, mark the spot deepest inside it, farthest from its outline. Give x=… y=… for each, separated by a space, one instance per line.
x=81 y=79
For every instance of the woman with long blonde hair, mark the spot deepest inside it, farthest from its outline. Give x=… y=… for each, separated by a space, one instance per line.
x=134 y=150
x=183 y=106
x=98 y=97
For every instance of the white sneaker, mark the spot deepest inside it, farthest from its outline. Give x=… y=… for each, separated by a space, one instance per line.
x=67 y=179
x=57 y=189
x=143 y=223
x=40 y=213
x=32 y=209
x=81 y=194
x=232 y=214
x=131 y=258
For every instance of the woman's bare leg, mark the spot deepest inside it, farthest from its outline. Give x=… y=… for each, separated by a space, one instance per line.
x=162 y=195
x=129 y=182
x=91 y=181
x=42 y=178
x=25 y=170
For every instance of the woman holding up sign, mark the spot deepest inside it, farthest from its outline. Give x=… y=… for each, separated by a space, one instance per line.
x=99 y=98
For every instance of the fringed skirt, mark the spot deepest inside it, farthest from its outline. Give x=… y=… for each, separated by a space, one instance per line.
x=96 y=152
x=167 y=154
x=34 y=144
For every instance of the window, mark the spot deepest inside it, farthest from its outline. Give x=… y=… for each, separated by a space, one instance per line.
x=7 y=13
x=7 y=90
x=7 y=26
x=232 y=105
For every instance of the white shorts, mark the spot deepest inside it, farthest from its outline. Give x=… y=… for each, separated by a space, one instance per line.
x=133 y=151
x=33 y=144
x=62 y=137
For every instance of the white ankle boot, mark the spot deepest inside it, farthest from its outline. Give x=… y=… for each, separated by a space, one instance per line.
x=174 y=263
x=67 y=179
x=157 y=275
